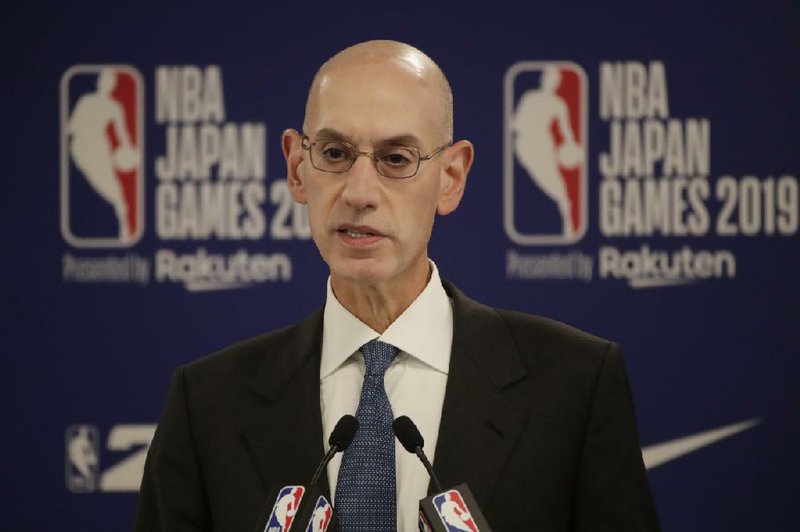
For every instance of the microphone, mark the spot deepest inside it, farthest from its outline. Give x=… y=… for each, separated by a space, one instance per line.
x=339 y=440
x=411 y=439
x=446 y=510
x=304 y=506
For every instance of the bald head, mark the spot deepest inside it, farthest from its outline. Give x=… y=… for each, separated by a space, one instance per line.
x=406 y=59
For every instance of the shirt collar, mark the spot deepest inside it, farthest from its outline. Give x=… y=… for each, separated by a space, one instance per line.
x=424 y=330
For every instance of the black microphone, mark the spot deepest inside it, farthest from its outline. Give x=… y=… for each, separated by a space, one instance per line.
x=446 y=510
x=307 y=507
x=341 y=436
x=411 y=439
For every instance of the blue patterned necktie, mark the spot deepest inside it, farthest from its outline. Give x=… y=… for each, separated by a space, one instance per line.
x=366 y=498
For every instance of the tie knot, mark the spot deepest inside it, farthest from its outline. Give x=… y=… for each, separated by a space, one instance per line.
x=377 y=357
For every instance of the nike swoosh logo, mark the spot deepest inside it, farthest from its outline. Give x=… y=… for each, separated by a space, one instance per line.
x=661 y=453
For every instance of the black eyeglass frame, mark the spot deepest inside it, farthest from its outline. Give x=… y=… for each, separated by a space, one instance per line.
x=355 y=154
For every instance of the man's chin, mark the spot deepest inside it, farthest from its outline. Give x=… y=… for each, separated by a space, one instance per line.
x=360 y=271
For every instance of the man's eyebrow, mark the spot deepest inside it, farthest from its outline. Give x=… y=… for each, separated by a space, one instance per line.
x=406 y=139
x=332 y=134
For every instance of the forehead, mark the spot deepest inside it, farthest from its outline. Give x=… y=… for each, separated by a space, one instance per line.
x=375 y=101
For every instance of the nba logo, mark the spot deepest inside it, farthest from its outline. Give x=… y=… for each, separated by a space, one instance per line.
x=321 y=518
x=453 y=512
x=102 y=146
x=285 y=509
x=82 y=463
x=544 y=153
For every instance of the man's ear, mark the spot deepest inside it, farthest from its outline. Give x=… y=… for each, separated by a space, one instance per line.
x=455 y=167
x=292 y=142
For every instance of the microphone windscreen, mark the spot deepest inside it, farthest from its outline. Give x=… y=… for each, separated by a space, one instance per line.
x=344 y=432
x=408 y=434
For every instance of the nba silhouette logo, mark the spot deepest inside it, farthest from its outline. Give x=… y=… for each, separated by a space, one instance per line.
x=82 y=458
x=102 y=148
x=453 y=511
x=283 y=512
x=321 y=518
x=545 y=192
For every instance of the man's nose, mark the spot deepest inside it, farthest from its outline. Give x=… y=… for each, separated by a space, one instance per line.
x=362 y=183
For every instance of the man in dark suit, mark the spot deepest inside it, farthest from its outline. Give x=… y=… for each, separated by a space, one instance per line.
x=535 y=416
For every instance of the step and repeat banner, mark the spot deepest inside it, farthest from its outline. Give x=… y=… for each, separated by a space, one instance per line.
x=636 y=176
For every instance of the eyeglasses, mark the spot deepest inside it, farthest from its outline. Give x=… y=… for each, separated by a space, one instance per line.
x=394 y=162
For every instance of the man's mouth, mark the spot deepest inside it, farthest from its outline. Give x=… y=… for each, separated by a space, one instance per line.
x=359 y=232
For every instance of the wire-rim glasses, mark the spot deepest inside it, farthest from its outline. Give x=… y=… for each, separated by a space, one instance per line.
x=394 y=161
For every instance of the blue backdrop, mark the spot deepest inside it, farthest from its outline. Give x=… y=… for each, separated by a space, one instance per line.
x=125 y=257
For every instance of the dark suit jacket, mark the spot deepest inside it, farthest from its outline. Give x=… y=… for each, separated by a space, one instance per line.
x=537 y=419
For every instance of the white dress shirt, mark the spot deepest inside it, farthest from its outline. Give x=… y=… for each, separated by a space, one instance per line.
x=415 y=381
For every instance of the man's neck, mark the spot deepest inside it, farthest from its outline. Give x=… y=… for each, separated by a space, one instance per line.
x=379 y=304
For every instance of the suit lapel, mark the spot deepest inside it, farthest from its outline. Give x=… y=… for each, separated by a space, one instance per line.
x=284 y=430
x=479 y=425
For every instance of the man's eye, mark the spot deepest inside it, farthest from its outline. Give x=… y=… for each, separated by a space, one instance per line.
x=397 y=158
x=334 y=153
